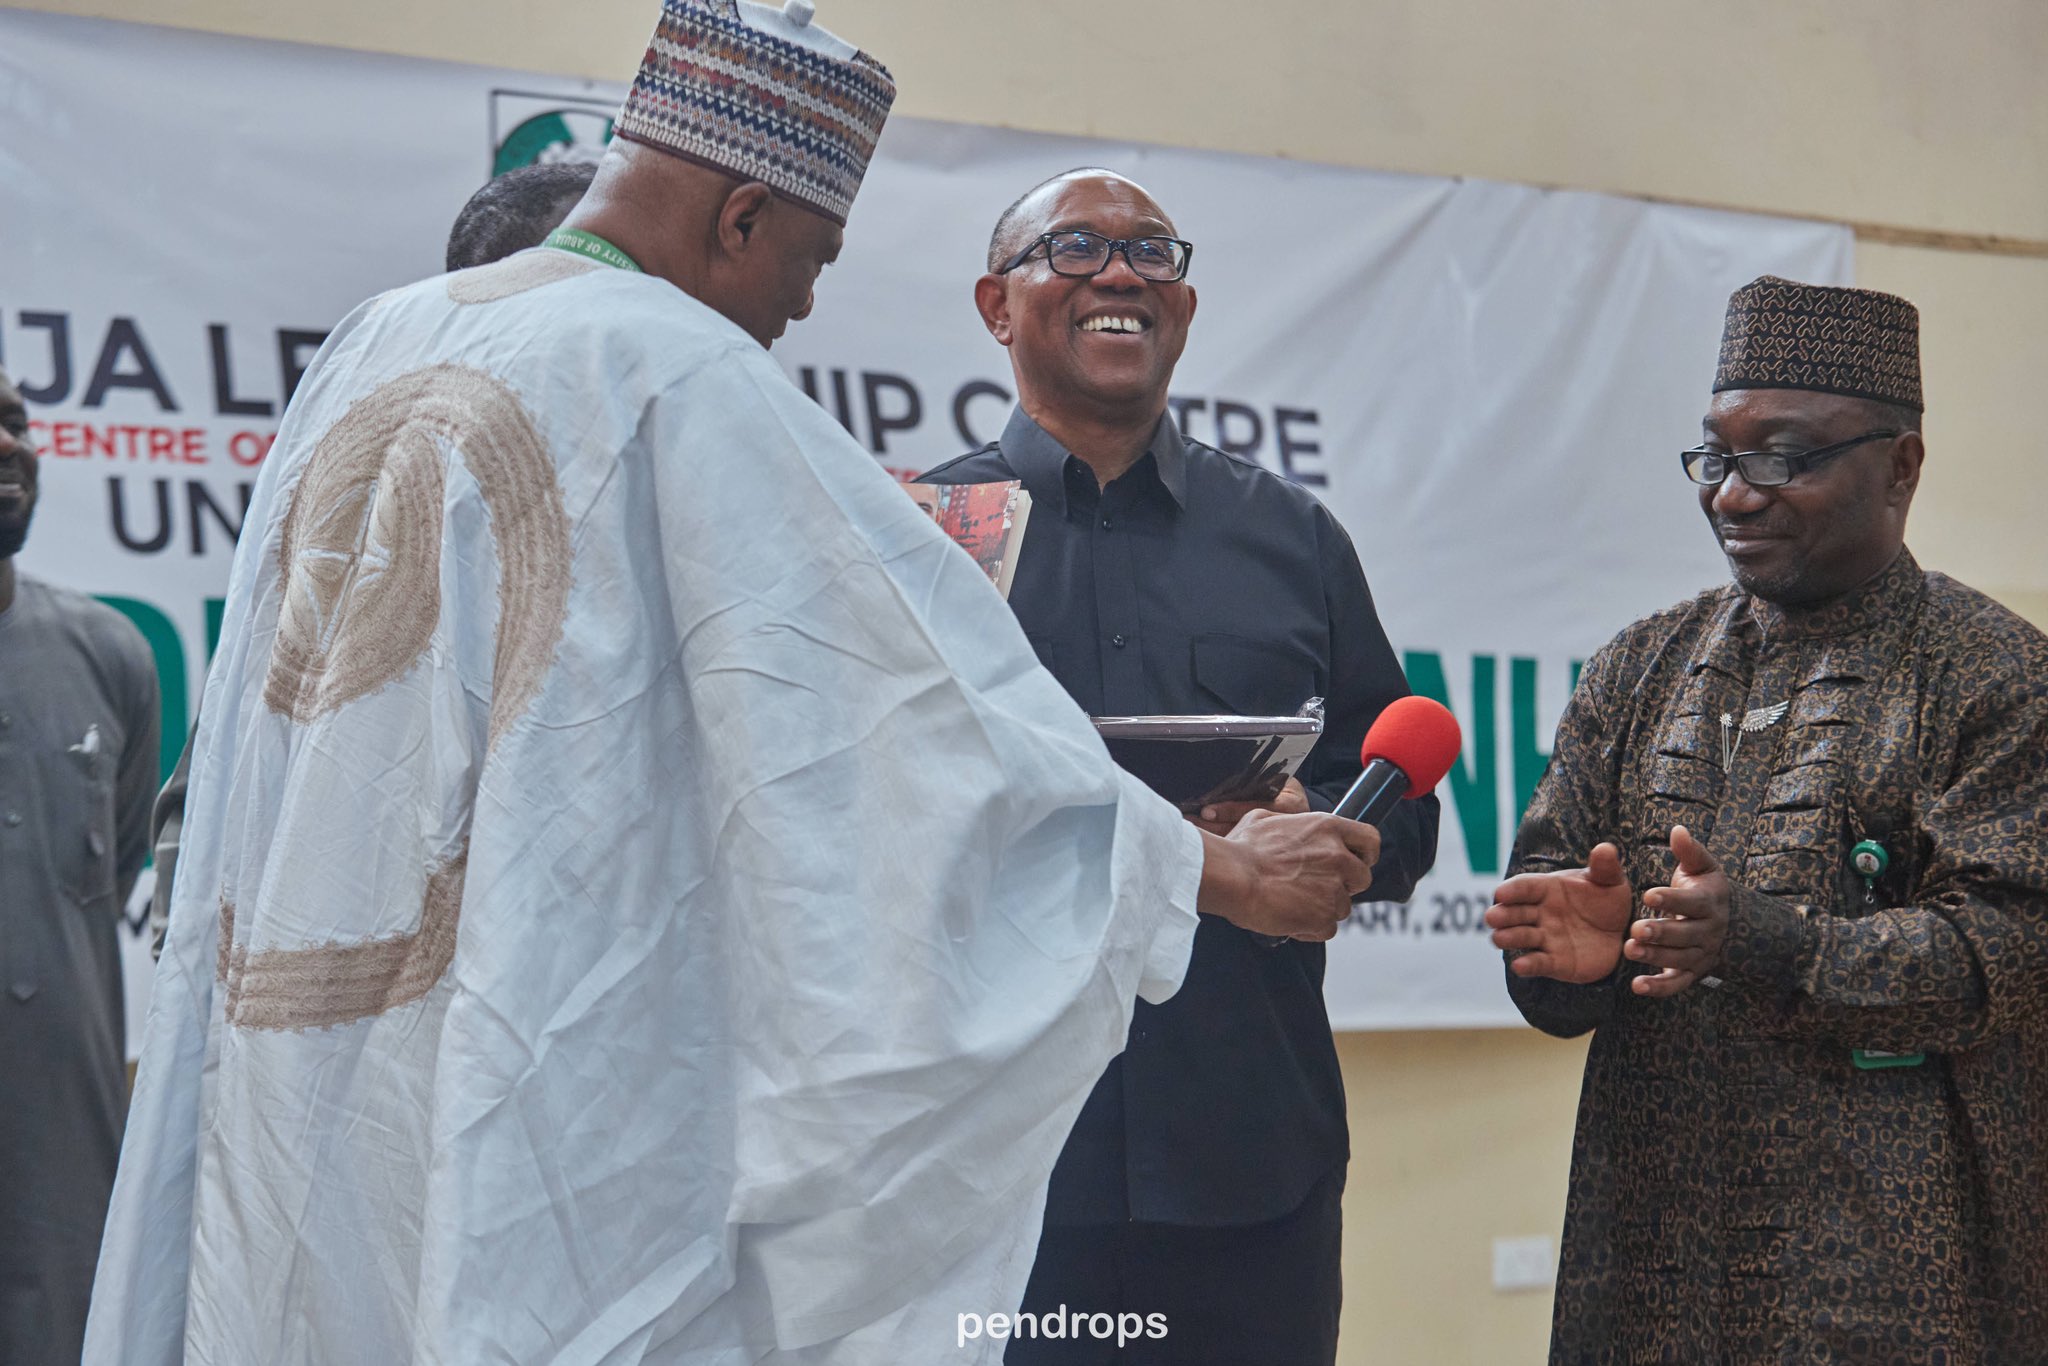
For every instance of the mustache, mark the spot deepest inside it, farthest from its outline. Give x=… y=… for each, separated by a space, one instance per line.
x=1759 y=525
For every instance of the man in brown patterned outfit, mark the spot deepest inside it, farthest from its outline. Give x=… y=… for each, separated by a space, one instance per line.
x=1788 y=864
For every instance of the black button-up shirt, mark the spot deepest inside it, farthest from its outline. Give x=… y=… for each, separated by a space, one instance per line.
x=1199 y=582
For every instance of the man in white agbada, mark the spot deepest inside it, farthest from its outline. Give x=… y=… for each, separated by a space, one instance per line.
x=641 y=901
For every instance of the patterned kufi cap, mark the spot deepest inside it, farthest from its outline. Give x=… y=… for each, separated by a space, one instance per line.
x=1782 y=334
x=764 y=94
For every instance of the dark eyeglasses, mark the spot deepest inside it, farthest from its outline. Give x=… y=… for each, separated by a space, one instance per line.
x=1766 y=469
x=1083 y=254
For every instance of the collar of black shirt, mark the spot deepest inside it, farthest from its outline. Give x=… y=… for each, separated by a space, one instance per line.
x=1046 y=466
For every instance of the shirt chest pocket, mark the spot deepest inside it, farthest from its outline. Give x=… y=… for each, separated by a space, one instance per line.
x=78 y=806
x=1253 y=677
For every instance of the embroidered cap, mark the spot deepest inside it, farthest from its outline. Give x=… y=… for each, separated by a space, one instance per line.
x=1782 y=334
x=761 y=93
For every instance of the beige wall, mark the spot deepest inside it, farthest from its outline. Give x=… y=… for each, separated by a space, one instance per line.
x=1457 y=1138
x=1982 y=512
x=1893 y=114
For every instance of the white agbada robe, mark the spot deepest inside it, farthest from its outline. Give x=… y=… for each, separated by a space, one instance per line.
x=642 y=901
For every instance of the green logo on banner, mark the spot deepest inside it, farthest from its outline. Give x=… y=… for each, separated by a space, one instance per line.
x=558 y=135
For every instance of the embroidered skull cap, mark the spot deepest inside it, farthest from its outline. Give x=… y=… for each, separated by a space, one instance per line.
x=763 y=93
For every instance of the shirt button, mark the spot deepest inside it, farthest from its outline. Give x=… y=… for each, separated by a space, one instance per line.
x=1117 y=640
x=14 y=818
x=1108 y=525
x=5 y=720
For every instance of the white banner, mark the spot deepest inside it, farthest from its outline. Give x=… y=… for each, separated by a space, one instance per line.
x=1487 y=383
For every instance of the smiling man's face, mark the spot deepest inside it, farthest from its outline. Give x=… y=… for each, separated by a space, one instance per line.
x=1106 y=345
x=1829 y=529
x=17 y=471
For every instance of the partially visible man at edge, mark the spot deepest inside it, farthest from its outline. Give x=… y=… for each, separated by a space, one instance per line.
x=510 y=213
x=1788 y=864
x=1204 y=1178
x=630 y=843
x=78 y=759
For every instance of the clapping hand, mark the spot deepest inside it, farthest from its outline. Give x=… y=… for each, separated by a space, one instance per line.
x=1568 y=925
x=1685 y=942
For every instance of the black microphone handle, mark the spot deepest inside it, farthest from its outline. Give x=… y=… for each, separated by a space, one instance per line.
x=1369 y=800
x=1378 y=788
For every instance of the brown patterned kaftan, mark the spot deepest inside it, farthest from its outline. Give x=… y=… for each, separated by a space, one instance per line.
x=1742 y=1191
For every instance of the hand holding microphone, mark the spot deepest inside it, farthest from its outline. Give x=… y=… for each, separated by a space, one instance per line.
x=1293 y=876
x=1287 y=877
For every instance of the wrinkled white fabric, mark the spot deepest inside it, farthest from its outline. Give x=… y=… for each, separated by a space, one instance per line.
x=800 y=911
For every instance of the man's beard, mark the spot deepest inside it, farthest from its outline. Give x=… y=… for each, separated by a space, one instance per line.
x=14 y=532
x=1786 y=588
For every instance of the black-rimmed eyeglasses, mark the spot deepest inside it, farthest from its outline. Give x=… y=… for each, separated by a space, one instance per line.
x=1767 y=469
x=1083 y=254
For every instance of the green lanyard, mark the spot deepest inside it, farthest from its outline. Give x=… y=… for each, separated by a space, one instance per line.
x=591 y=245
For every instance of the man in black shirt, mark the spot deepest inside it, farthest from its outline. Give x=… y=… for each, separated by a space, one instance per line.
x=1203 y=1179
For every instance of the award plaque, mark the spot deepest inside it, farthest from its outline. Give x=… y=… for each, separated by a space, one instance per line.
x=1195 y=761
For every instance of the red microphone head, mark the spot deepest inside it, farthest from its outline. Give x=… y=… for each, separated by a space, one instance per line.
x=1418 y=736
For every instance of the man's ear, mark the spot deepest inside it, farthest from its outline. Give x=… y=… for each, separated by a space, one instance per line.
x=992 y=301
x=739 y=218
x=1909 y=452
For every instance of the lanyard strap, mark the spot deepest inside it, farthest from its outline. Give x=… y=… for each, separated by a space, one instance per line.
x=591 y=245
